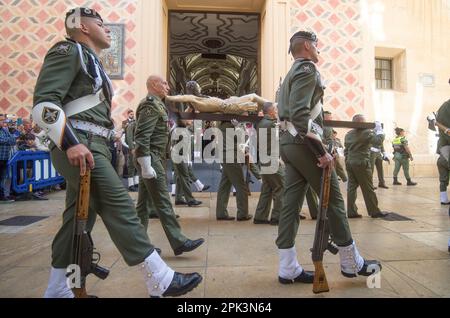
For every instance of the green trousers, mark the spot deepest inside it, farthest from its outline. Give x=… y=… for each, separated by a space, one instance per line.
x=131 y=167
x=153 y=193
x=192 y=177
x=183 y=186
x=232 y=175
x=340 y=171
x=376 y=161
x=313 y=202
x=271 y=189
x=360 y=175
x=301 y=170
x=444 y=171
x=109 y=199
x=401 y=162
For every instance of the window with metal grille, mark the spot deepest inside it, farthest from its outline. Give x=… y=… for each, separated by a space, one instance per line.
x=383 y=73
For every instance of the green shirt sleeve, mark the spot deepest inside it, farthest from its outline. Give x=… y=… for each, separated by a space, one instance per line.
x=61 y=66
x=146 y=121
x=302 y=89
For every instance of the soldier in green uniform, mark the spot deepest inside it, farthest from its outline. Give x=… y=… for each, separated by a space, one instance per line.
x=231 y=175
x=183 y=193
x=357 y=161
x=300 y=113
x=151 y=139
x=329 y=140
x=402 y=156
x=377 y=156
x=72 y=103
x=443 y=149
x=272 y=184
x=133 y=178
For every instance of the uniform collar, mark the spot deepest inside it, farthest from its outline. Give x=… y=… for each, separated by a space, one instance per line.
x=156 y=98
x=269 y=118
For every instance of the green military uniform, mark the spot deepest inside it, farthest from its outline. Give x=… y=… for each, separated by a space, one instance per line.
x=63 y=79
x=313 y=203
x=357 y=160
x=272 y=184
x=328 y=140
x=300 y=94
x=376 y=160
x=401 y=157
x=129 y=140
x=181 y=177
x=443 y=117
x=231 y=175
x=151 y=139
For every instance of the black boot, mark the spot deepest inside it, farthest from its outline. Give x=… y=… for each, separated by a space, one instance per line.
x=182 y=284
x=410 y=183
x=396 y=181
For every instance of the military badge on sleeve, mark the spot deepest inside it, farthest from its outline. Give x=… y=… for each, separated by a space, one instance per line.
x=63 y=49
x=307 y=68
x=50 y=115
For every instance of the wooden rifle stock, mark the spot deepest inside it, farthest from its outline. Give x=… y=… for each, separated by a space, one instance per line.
x=321 y=238
x=81 y=218
x=83 y=246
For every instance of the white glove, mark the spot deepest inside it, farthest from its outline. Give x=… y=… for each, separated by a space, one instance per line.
x=385 y=155
x=378 y=128
x=146 y=166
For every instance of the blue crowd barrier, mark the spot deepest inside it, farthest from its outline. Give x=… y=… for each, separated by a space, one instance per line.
x=43 y=174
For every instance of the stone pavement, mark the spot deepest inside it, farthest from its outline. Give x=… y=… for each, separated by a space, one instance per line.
x=240 y=259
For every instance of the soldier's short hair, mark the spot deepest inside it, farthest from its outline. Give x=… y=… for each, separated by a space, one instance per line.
x=129 y=111
x=357 y=117
x=305 y=35
x=267 y=106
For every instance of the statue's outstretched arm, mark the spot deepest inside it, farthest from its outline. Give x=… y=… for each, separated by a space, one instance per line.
x=182 y=98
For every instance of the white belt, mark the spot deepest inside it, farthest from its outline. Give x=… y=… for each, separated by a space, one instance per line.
x=84 y=103
x=93 y=128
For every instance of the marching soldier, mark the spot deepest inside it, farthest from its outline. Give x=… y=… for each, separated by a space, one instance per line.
x=151 y=138
x=402 y=156
x=183 y=193
x=443 y=117
x=300 y=113
x=329 y=140
x=232 y=175
x=377 y=156
x=272 y=184
x=72 y=103
x=133 y=178
x=357 y=161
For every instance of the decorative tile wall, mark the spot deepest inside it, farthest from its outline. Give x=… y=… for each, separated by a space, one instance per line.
x=336 y=23
x=30 y=27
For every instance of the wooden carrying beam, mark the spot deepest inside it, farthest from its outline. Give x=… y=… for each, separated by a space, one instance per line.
x=255 y=119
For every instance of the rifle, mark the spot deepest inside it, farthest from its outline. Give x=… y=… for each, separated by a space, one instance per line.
x=322 y=240
x=83 y=246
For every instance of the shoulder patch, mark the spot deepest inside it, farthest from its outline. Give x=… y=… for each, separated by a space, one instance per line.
x=63 y=48
x=307 y=68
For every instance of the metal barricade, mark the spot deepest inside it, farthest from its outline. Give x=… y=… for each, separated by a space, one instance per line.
x=32 y=170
